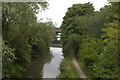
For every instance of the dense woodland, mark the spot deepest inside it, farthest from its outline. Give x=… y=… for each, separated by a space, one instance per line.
x=23 y=37
x=93 y=36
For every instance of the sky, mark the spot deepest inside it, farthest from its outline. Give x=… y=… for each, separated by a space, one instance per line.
x=58 y=8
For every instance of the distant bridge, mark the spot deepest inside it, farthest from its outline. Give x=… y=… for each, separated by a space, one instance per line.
x=57 y=30
x=55 y=42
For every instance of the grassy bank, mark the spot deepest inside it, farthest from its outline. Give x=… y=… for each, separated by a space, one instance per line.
x=84 y=68
x=67 y=68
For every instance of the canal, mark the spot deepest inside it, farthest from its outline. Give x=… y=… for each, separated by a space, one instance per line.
x=46 y=65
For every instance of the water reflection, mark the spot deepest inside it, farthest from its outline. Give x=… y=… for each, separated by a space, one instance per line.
x=51 y=70
x=35 y=68
x=46 y=65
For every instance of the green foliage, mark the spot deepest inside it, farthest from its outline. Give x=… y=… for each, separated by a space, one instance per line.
x=107 y=64
x=69 y=25
x=101 y=55
x=41 y=36
x=9 y=67
x=111 y=33
x=92 y=24
x=24 y=34
x=89 y=50
x=94 y=37
x=67 y=69
x=108 y=59
x=73 y=42
x=24 y=51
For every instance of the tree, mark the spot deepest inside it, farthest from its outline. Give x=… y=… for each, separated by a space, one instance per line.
x=9 y=67
x=98 y=32
x=73 y=42
x=24 y=34
x=69 y=25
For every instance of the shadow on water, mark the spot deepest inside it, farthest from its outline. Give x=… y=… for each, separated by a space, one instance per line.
x=35 y=68
x=46 y=65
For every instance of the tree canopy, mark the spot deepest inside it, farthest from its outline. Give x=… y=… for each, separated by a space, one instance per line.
x=93 y=35
x=23 y=37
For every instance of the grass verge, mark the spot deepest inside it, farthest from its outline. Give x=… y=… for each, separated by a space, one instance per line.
x=84 y=68
x=67 y=68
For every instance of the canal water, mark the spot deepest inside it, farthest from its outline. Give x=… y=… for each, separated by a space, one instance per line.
x=46 y=65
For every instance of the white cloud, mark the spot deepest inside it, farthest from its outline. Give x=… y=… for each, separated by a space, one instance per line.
x=58 y=8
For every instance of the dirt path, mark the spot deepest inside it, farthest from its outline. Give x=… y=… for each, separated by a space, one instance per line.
x=79 y=70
